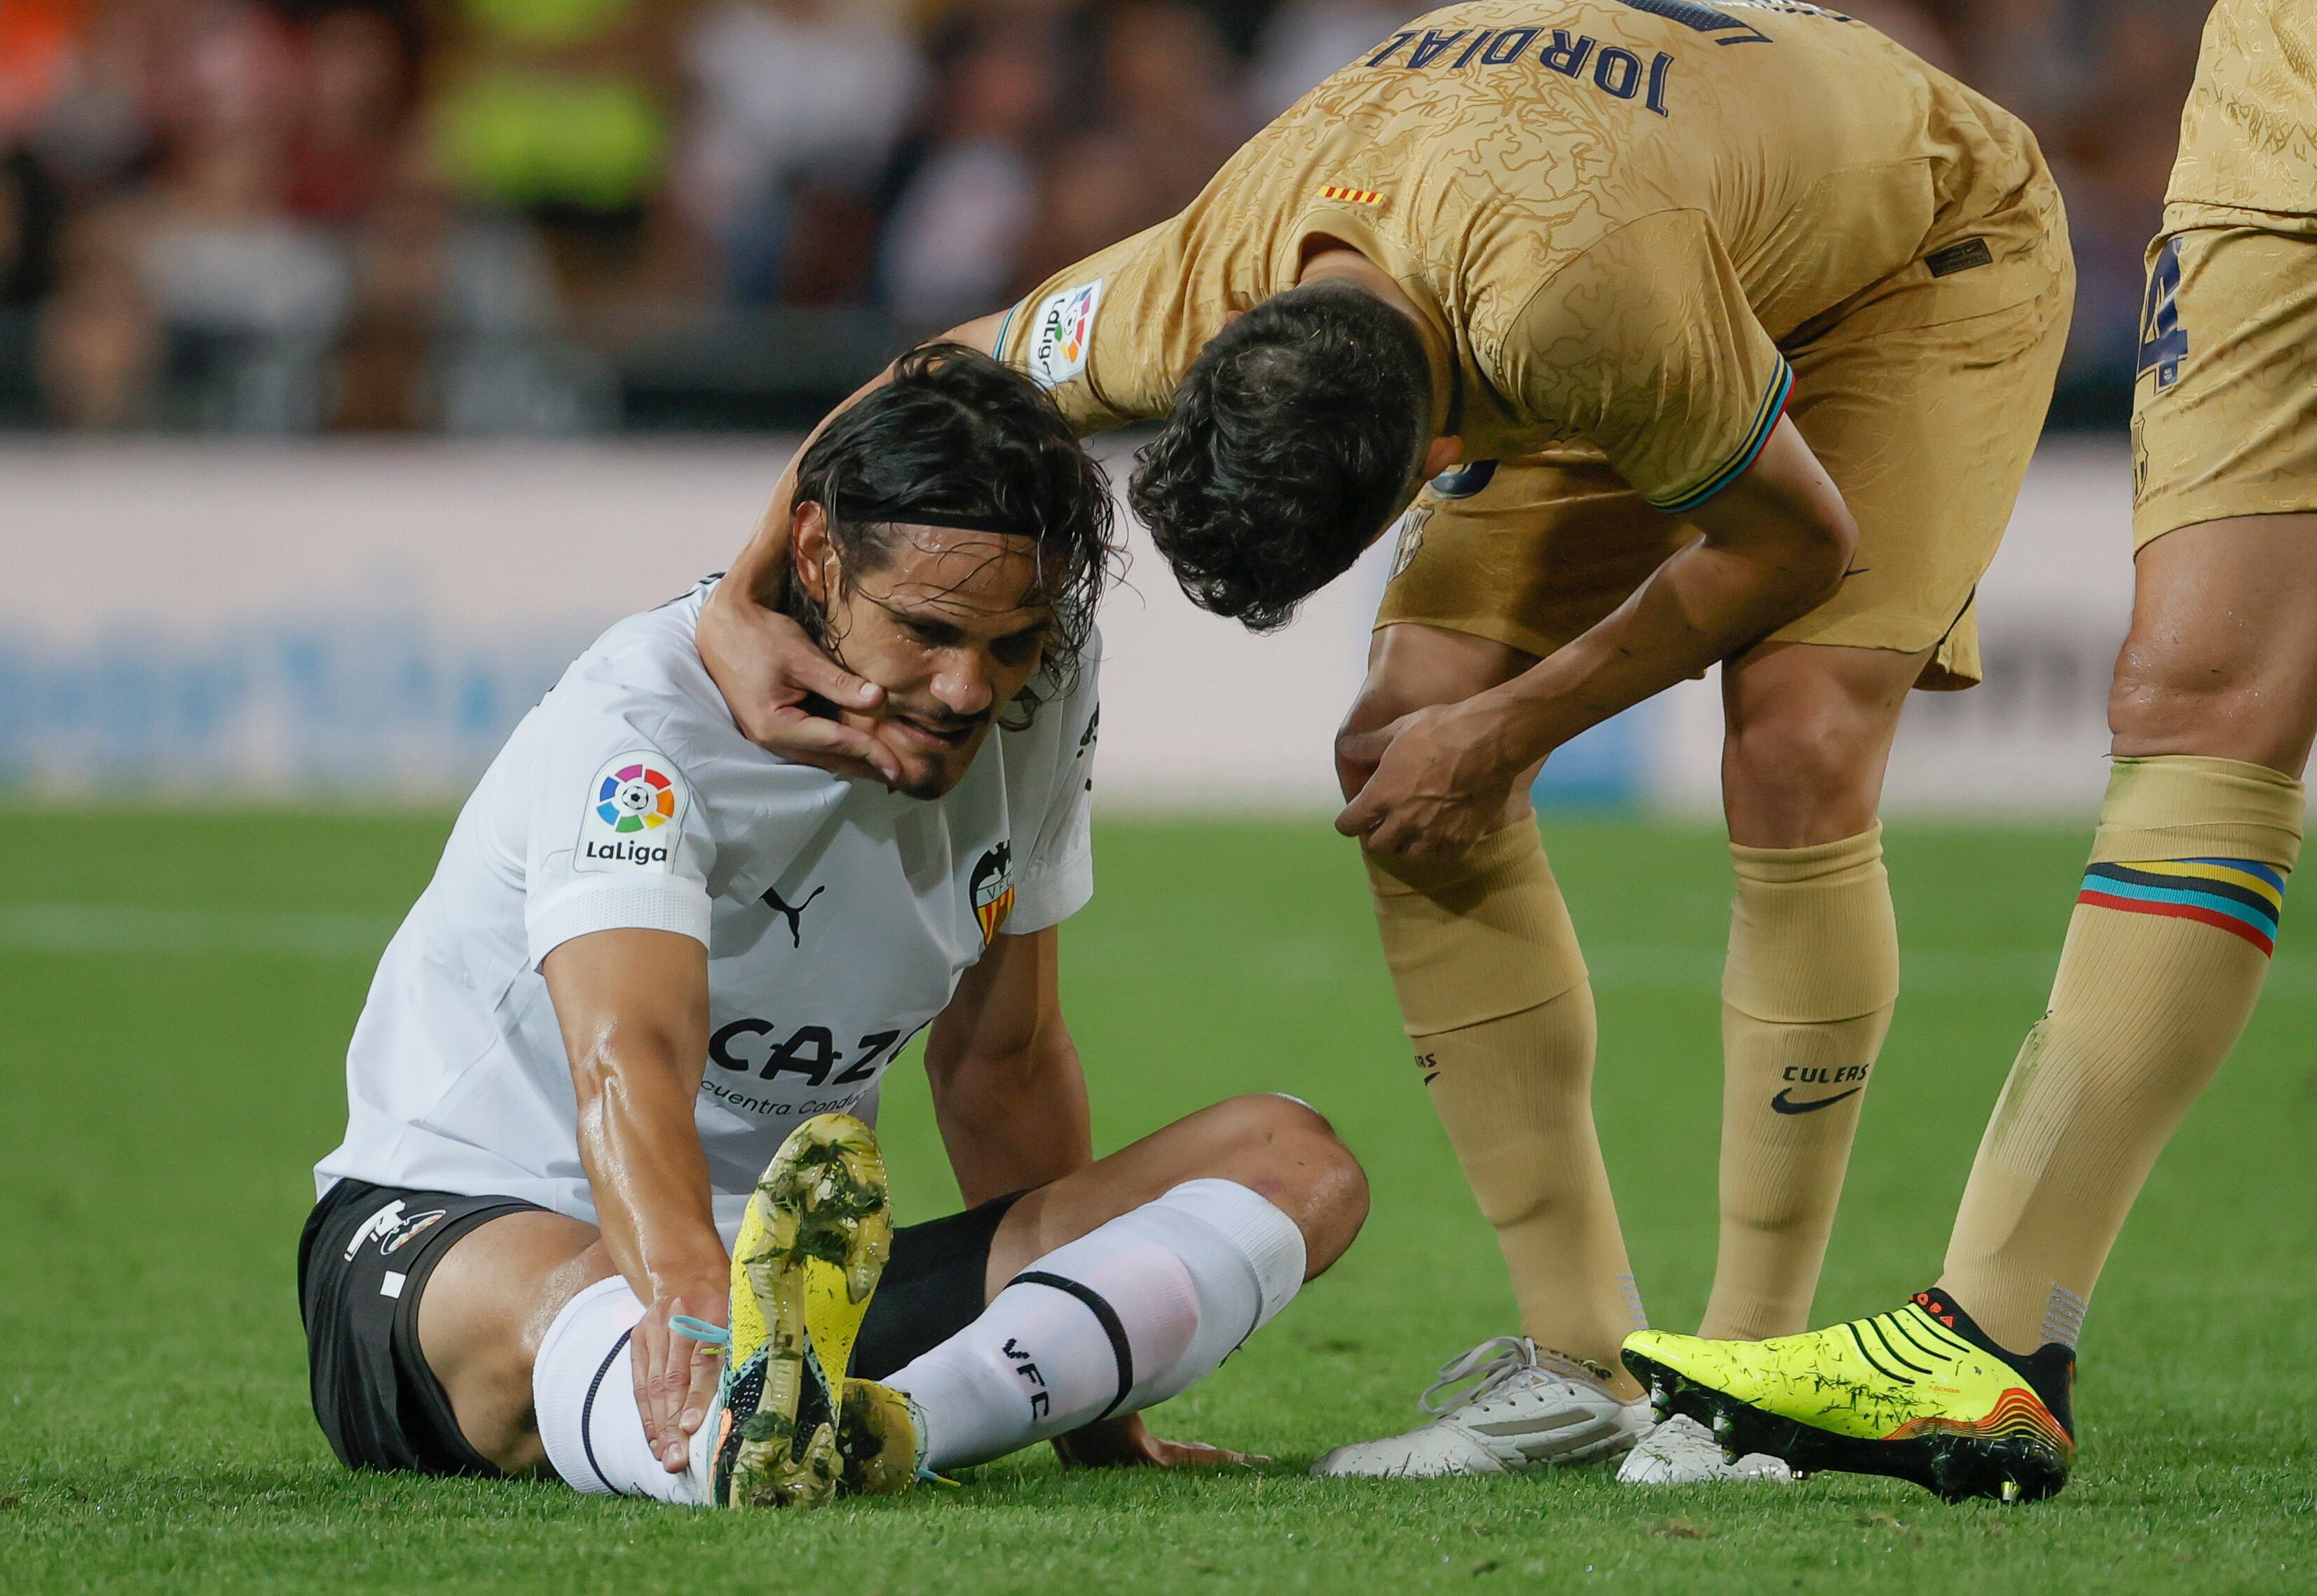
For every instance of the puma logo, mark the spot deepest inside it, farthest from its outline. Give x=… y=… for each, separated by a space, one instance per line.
x=793 y=914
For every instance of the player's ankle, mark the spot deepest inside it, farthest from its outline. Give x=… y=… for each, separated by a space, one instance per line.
x=2050 y=1370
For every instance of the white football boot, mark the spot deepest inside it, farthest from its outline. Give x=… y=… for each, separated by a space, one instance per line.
x=1683 y=1452
x=1528 y=1409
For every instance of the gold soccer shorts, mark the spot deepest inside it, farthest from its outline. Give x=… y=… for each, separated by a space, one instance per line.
x=1923 y=405
x=2224 y=405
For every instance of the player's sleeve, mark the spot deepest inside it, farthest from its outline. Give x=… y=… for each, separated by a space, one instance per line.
x=1645 y=346
x=1105 y=337
x=1055 y=878
x=619 y=838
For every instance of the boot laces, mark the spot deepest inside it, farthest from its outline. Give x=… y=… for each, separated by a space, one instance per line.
x=1491 y=1366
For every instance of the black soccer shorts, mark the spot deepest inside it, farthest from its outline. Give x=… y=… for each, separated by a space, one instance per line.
x=367 y=1251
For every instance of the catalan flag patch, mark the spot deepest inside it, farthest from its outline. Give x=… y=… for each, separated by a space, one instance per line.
x=1356 y=196
x=2239 y=896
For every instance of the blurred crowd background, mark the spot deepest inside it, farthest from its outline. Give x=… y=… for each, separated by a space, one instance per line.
x=546 y=217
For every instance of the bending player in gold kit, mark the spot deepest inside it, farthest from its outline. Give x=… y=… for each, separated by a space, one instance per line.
x=2214 y=710
x=1722 y=333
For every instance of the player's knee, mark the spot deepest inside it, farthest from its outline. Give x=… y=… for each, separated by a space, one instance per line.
x=1285 y=1148
x=1351 y=772
x=2165 y=700
x=2142 y=704
x=1798 y=765
x=1414 y=668
x=1267 y=1118
x=1370 y=712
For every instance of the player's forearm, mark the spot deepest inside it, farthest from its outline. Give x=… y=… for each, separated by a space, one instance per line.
x=647 y=1173
x=632 y=1006
x=1700 y=607
x=1776 y=543
x=1013 y=1121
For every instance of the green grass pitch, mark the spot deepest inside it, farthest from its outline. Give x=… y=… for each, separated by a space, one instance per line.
x=174 y=997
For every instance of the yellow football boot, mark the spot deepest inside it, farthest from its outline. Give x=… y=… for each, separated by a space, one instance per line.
x=788 y=1429
x=1920 y=1394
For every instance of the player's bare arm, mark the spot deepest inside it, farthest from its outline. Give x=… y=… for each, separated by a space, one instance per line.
x=1775 y=545
x=776 y=679
x=632 y=1006
x=1008 y=1092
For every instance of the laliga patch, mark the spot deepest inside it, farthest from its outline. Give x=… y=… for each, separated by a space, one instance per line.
x=1062 y=334
x=634 y=815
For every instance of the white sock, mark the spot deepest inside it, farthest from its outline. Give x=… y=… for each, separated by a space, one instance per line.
x=1151 y=1302
x=584 y=1392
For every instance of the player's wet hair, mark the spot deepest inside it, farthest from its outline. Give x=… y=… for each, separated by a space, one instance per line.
x=956 y=439
x=1293 y=441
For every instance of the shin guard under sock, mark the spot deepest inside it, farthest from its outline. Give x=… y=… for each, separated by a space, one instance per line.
x=1499 y=1011
x=1806 y=999
x=1120 y=1319
x=583 y=1390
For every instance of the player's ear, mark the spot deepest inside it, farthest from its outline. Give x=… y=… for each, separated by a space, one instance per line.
x=814 y=552
x=1444 y=453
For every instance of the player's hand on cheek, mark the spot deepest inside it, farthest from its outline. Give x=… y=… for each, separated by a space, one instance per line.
x=769 y=670
x=1438 y=783
x=1128 y=1443
x=676 y=1373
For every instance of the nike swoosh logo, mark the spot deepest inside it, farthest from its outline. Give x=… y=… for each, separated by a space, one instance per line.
x=1786 y=1105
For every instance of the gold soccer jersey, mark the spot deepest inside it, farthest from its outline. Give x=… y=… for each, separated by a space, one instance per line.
x=2249 y=134
x=1620 y=213
x=2223 y=400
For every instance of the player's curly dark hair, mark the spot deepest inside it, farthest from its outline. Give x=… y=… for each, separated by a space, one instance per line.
x=957 y=439
x=1294 y=441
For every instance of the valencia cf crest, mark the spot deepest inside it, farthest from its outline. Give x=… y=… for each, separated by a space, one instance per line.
x=992 y=885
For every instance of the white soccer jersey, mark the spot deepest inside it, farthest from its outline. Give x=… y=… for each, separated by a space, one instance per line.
x=837 y=919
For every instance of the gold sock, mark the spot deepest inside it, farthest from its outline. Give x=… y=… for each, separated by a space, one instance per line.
x=1806 y=999
x=2164 y=959
x=1499 y=1011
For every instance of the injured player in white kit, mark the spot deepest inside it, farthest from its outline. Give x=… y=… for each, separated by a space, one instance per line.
x=609 y=1203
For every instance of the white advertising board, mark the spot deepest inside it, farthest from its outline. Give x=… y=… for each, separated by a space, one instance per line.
x=366 y=622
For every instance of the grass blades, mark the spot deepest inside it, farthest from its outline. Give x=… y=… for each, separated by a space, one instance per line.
x=175 y=993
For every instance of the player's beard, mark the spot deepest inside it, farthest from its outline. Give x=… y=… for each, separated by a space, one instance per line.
x=927 y=774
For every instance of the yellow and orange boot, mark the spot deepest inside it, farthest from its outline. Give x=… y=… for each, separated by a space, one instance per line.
x=1920 y=1394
